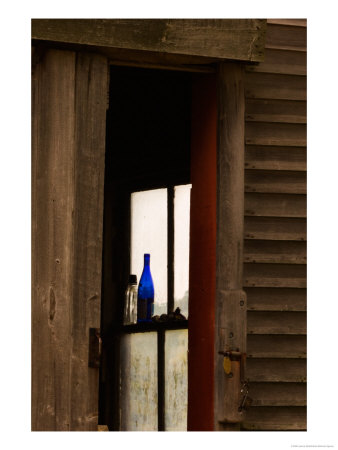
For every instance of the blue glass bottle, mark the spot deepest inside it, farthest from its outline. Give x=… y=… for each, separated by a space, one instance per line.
x=145 y=294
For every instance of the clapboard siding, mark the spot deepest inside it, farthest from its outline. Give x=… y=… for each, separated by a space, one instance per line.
x=274 y=275
x=288 y=252
x=276 y=418
x=275 y=157
x=275 y=205
x=275 y=322
x=271 y=299
x=281 y=61
x=276 y=370
x=275 y=230
x=273 y=346
x=284 y=134
x=277 y=182
x=294 y=22
x=286 y=37
x=277 y=86
x=276 y=110
x=278 y=394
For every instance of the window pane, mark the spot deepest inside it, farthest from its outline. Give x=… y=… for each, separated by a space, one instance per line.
x=138 y=382
x=181 y=247
x=149 y=214
x=176 y=380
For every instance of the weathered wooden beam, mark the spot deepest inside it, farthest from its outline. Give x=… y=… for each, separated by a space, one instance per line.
x=90 y=138
x=68 y=145
x=52 y=238
x=236 y=39
x=230 y=333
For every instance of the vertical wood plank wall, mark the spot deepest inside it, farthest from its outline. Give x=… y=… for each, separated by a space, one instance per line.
x=275 y=230
x=68 y=130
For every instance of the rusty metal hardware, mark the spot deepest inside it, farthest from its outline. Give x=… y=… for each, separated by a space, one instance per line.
x=230 y=355
x=246 y=401
x=233 y=355
x=227 y=365
x=95 y=348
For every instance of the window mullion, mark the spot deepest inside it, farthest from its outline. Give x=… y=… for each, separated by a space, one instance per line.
x=170 y=308
x=171 y=194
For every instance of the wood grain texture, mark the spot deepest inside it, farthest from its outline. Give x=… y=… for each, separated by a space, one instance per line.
x=276 y=419
x=53 y=149
x=271 y=299
x=218 y=38
x=230 y=177
x=161 y=64
x=275 y=205
x=275 y=86
x=278 y=394
x=292 y=22
x=90 y=135
x=286 y=37
x=276 y=370
x=275 y=252
x=230 y=299
x=275 y=322
x=67 y=181
x=281 y=134
x=275 y=157
x=274 y=110
x=270 y=118
x=275 y=275
x=281 y=61
x=276 y=346
x=276 y=182
x=275 y=228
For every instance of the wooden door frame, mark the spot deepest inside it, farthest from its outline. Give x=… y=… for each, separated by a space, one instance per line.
x=217 y=303
x=68 y=146
x=230 y=311
x=81 y=223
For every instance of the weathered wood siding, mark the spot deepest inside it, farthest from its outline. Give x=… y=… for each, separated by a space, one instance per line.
x=275 y=230
x=68 y=144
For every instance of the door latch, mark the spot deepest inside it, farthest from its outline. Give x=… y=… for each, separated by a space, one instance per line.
x=238 y=401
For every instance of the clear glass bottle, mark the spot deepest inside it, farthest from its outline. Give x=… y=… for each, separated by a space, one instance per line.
x=145 y=295
x=130 y=301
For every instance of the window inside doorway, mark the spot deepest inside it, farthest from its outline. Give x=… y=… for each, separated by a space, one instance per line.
x=151 y=233
x=143 y=382
x=154 y=362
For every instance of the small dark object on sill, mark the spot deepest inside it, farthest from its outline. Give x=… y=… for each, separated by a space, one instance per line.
x=173 y=316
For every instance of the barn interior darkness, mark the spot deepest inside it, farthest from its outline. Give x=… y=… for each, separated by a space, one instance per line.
x=147 y=147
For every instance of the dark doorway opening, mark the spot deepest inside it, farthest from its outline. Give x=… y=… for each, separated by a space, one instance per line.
x=148 y=147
